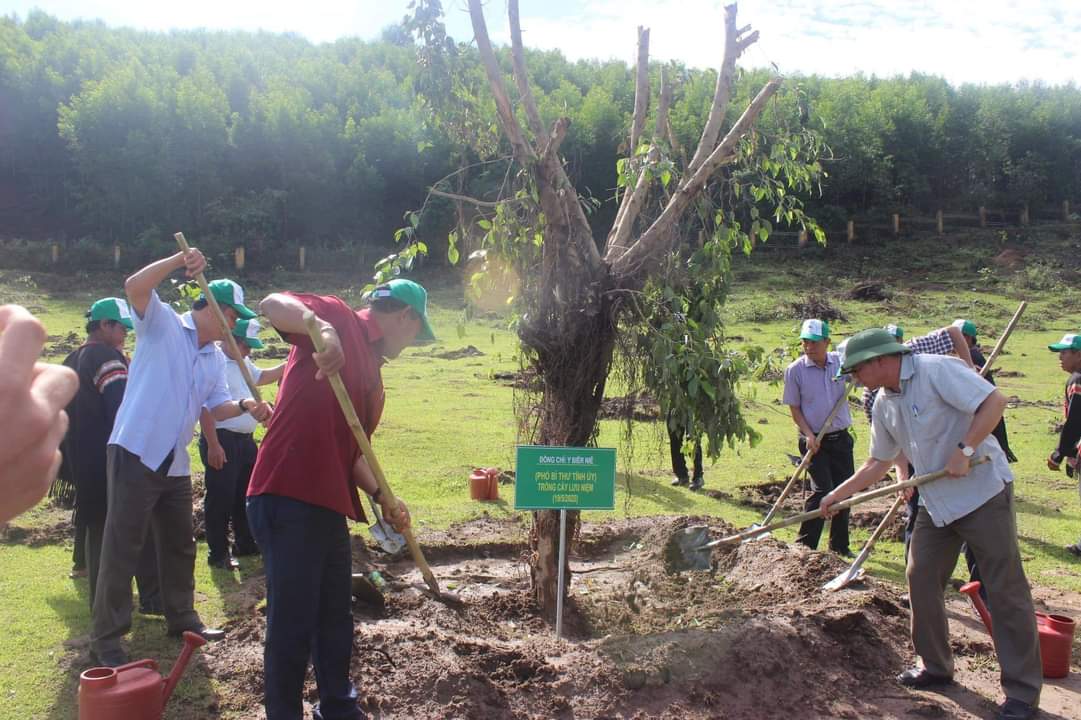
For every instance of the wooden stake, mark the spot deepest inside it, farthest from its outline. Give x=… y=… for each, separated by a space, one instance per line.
x=983 y=216
x=55 y=252
x=116 y=255
x=361 y=437
x=851 y=230
x=1024 y=215
x=803 y=238
x=938 y=222
x=1065 y=211
x=896 y=224
x=238 y=258
x=222 y=322
x=302 y=258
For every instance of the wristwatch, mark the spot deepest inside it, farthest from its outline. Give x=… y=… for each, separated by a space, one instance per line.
x=966 y=450
x=243 y=408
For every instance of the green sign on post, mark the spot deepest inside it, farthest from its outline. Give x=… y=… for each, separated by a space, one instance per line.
x=565 y=478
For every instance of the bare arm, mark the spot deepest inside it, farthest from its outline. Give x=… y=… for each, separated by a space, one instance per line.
x=394 y=511
x=867 y=475
x=286 y=314
x=960 y=345
x=261 y=411
x=983 y=422
x=139 y=286
x=215 y=453
x=272 y=375
x=804 y=427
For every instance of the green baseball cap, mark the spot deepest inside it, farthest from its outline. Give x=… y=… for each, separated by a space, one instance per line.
x=414 y=296
x=227 y=292
x=869 y=344
x=967 y=327
x=111 y=309
x=1069 y=341
x=896 y=330
x=814 y=330
x=248 y=331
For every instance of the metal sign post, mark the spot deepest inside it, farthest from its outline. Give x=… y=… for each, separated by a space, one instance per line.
x=564 y=478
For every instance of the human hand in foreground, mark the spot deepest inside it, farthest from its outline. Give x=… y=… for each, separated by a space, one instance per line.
x=826 y=505
x=33 y=396
x=215 y=456
x=958 y=465
x=194 y=262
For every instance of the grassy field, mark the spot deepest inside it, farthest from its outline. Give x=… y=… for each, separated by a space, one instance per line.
x=444 y=417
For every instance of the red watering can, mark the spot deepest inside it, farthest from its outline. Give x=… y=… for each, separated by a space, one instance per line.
x=484 y=484
x=1056 y=634
x=134 y=691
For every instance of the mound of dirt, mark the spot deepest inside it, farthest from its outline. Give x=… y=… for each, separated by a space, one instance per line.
x=63 y=345
x=816 y=306
x=467 y=351
x=641 y=407
x=526 y=379
x=642 y=641
x=869 y=292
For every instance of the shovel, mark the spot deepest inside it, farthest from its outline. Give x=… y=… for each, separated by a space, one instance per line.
x=855 y=570
x=805 y=463
x=697 y=556
x=351 y=418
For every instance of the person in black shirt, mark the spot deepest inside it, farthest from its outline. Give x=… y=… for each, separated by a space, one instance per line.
x=103 y=372
x=968 y=331
x=1069 y=357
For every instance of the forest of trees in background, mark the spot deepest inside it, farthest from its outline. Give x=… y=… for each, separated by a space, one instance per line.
x=119 y=136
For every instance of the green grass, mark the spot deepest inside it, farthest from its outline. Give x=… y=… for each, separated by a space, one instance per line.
x=445 y=416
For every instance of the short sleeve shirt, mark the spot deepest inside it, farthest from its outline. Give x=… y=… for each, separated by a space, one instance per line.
x=926 y=420
x=238 y=390
x=309 y=450
x=170 y=379
x=814 y=391
x=938 y=342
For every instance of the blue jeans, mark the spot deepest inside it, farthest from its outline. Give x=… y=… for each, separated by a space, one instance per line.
x=308 y=563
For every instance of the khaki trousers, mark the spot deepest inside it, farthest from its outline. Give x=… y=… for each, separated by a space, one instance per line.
x=991 y=534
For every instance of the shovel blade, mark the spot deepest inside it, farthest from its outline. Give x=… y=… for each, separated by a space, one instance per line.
x=693 y=551
x=755 y=526
x=389 y=540
x=850 y=575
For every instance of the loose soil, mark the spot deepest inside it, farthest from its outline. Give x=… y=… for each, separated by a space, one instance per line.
x=755 y=637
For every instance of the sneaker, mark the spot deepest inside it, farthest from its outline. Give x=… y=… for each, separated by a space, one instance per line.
x=108 y=658
x=846 y=553
x=1014 y=709
x=1074 y=549
x=678 y=481
x=77 y=572
x=697 y=483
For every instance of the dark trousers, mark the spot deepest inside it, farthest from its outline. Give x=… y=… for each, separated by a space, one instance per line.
x=142 y=500
x=830 y=466
x=308 y=563
x=675 y=446
x=146 y=573
x=78 y=553
x=991 y=533
x=226 y=494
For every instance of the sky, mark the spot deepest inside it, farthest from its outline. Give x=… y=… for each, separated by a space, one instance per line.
x=976 y=41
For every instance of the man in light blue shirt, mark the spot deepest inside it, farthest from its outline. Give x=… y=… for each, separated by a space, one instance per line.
x=177 y=370
x=940 y=414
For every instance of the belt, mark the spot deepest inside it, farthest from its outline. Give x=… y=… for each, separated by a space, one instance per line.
x=835 y=435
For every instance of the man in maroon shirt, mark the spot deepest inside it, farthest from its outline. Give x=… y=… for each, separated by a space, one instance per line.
x=305 y=483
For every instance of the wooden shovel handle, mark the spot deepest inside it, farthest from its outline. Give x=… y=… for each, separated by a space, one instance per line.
x=1002 y=340
x=361 y=437
x=216 y=310
x=843 y=505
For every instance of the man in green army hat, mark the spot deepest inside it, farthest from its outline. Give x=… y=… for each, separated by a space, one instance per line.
x=940 y=414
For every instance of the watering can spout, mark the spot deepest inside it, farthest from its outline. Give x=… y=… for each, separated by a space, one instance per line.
x=191 y=641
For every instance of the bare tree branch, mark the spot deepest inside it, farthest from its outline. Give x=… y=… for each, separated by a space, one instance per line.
x=733 y=47
x=641 y=90
x=660 y=238
x=471 y=200
x=523 y=151
x=520 y=75
x=631 y=207
x=555 y=138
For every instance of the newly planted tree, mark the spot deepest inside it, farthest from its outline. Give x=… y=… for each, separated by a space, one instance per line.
x=646 y=297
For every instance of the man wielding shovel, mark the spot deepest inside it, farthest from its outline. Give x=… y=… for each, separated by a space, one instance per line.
x=940 y=414
x=810 y=394
x=305 y=482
